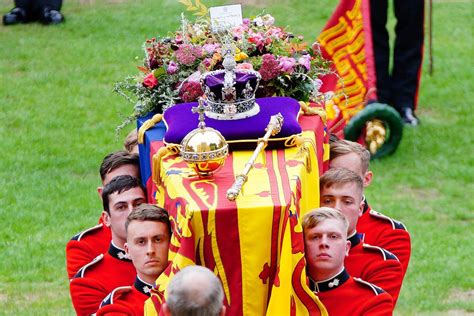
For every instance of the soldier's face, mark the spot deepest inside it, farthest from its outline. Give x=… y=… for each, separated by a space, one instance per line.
x=124 y=170
x=326 y=246
x=346 y=198
x=352 y=162
x=147 y=245
x=120 y=205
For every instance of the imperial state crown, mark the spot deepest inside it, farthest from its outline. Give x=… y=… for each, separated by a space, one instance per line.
x=230 y=92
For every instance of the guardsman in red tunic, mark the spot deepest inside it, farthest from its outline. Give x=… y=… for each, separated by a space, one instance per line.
x=88 y=244
x=107 y=271
x=326 y=246
x=378 y=229
x=126 y=300
x=385 y=232
x=342 y=189
x=148 y=236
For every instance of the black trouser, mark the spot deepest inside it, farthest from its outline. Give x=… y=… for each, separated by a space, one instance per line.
x=399 y=87
x=34 y=8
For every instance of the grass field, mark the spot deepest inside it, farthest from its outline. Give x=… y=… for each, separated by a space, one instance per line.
x=58 y=115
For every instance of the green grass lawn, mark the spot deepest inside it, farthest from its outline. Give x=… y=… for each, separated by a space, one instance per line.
x=58 y=115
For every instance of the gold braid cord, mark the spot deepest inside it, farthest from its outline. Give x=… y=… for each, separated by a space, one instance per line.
x=147 y=125
x=307 y=110
x=156 y=163
x=305 y=145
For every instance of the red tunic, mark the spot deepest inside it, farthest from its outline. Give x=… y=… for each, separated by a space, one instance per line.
x=128 y=300
x=385 y=232
x=344 y=295
x=374 y=265
x=85 y=246
x=94 y=281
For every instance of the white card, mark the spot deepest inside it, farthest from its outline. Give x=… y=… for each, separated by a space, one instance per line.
x=224 y=17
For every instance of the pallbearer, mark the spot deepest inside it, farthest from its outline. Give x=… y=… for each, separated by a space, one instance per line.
x=148 y=236
x=378 y=229
x=326 y=247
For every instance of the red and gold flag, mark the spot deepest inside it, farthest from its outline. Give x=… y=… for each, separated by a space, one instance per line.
x=255 y=244
x=346 y=41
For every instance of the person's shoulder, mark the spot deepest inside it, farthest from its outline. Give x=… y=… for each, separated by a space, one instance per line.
x=380 y=252
x=89 y=266
x=369 y=288
x=97 y=229
x=85 y=246
x=373 y=300
x=120 y=301
x=116 y=294
x=382 y=218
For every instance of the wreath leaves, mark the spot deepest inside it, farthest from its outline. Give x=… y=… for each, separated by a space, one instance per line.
x=199 y=8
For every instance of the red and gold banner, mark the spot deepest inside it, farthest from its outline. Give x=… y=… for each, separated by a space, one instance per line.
x=346 y=41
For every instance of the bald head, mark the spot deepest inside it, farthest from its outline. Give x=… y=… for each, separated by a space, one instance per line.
x=195 y=291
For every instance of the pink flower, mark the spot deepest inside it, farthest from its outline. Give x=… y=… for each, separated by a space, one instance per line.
x=190 y=91
x=187 y=54
x=246 y=66
x=316 y=47
x=275 y=32
x=305 y=61
x=150 y=81
x=258 y=39
x=178 y=39
x=239 y=30
x=209 y=49
x=270 y=68
x=207 y=62
x=172 y=68
x=287 y=64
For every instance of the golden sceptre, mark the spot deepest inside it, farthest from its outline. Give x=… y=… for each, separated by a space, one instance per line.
x=273 y=128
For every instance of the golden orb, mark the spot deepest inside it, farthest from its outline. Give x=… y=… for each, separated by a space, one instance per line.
x=204 y=149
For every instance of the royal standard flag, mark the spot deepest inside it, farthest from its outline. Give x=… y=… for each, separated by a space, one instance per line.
x=346 y=41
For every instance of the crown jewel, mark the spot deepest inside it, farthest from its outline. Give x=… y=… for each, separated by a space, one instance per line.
x=230 y=92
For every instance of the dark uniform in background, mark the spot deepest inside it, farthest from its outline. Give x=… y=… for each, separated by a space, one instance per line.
x=45 y=11
x=398 y=87
x=344 y=295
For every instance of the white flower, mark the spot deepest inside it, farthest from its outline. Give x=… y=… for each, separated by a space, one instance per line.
x=268 y=20
x=258 y=21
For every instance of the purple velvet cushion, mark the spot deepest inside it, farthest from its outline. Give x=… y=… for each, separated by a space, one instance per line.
x=242 y=133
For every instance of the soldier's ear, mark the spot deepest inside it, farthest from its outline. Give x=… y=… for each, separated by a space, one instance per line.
x=367 y=179
x=106 y=218
x=99 y=191
x=126 y=248
x=361 y=207
x=348 y=247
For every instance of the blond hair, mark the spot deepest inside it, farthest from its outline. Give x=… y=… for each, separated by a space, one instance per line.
x=131 y=140
x=319 y=215
x=342 y=147
x=340 y=176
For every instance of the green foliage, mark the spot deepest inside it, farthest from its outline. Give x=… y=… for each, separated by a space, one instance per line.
x=58 y=113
